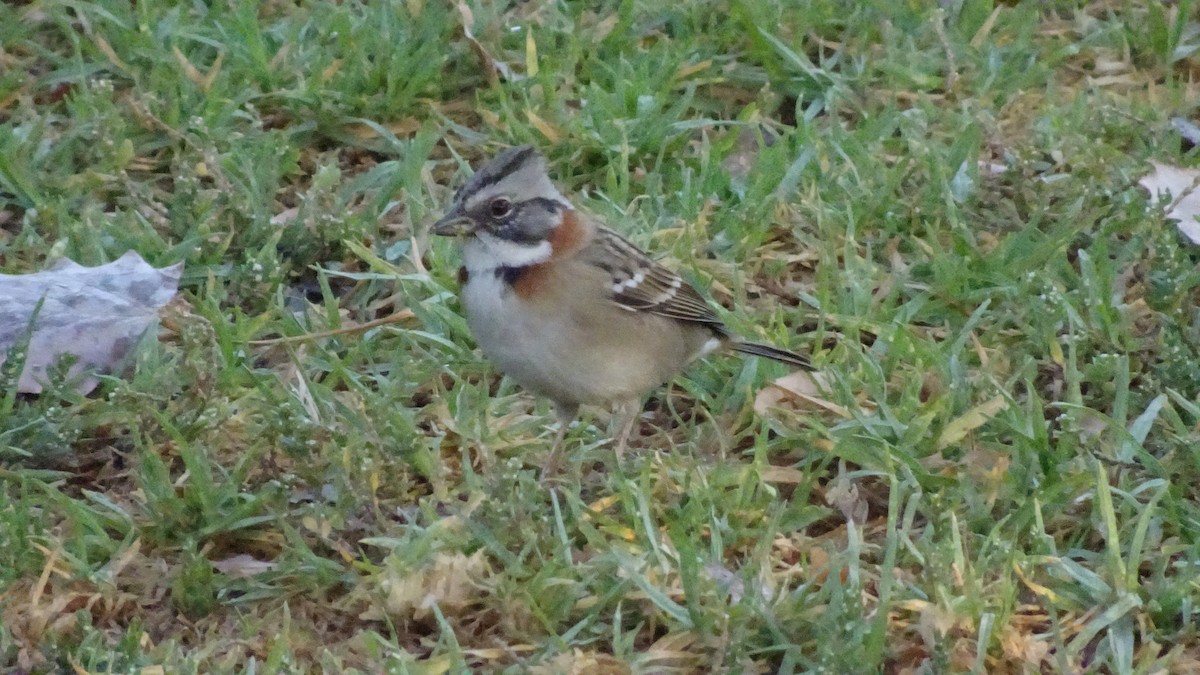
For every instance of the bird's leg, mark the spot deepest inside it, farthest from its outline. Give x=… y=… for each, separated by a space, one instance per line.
x=565 y=412
x=625 y=414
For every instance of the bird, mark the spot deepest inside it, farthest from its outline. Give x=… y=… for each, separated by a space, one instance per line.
x=568 y=308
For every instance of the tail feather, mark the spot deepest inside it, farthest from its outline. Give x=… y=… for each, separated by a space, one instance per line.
x=781 y=355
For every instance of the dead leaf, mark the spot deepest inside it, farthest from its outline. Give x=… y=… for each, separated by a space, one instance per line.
x=242 y=566
x=452 y=581
x=402 y=128
x=672 y=653
x=991 y=168
x=843 y=494
x=202 y=80
x=690 y=69
x=727 y=580
x=1020 y=646
x=96 y=314
x=1180 y=185
x=331 y=70
x=579 y=662
x=493 y=65
x=603 y=27
x=802 y=389
x=781 y=474
x=111 y=54
x=819 y=565
x=286 y=216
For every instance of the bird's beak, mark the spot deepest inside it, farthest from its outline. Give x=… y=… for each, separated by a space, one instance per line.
x=453 y=224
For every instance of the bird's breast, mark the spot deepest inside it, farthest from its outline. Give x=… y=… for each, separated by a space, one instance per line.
x=572 y=347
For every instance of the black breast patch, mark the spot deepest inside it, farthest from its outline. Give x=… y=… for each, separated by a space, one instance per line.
x=509 y=275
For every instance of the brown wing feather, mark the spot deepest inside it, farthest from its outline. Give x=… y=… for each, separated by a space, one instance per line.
x=639 y=284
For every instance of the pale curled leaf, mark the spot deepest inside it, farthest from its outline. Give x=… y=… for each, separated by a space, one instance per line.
x=241 y=566
x=1180 y=185
x=843 y=493
x=96 y=314
x=452 y=581
x=802 y=389
x=727 y=580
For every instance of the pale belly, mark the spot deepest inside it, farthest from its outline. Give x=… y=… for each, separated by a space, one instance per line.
x=585 y=355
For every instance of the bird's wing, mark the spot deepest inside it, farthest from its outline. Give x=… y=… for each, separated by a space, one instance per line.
x=640 y=284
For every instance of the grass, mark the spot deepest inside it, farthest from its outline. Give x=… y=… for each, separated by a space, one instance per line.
x=938 y=203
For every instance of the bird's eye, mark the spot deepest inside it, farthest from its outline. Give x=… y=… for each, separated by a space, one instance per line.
x=500 y=207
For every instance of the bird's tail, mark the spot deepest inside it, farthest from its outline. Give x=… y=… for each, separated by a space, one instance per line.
x=780 y=355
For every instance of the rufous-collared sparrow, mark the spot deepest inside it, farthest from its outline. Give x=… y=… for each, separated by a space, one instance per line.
x=569 y=309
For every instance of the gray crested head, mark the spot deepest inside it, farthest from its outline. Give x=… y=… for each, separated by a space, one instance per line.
x=510 y=198
x=522 y=158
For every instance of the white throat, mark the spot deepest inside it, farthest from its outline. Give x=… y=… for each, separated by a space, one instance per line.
x=486 y=252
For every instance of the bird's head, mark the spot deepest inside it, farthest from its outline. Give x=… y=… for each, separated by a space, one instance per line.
x=510 y=205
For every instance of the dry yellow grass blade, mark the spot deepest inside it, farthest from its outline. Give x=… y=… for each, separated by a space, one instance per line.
x=971 y=420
